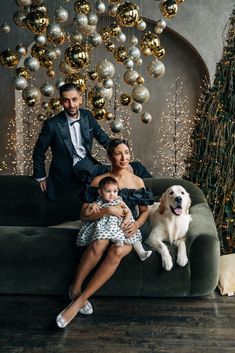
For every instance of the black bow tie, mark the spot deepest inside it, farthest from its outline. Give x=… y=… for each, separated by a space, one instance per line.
x=75 y=121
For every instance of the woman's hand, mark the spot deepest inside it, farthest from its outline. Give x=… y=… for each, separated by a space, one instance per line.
x=130 y=228
x=117 y=211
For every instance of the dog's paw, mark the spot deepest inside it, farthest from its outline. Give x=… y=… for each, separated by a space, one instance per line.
x=167 y=263
x=182 y=260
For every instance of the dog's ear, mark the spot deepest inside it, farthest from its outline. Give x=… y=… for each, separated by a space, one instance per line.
x=188 y=204
x=162 y=203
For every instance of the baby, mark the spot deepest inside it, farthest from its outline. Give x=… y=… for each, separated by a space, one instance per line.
x=110 y=227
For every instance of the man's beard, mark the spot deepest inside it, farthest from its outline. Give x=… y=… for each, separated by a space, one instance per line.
x=72 y=115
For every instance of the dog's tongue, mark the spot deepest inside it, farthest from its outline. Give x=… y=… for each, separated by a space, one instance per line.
x=178 y=210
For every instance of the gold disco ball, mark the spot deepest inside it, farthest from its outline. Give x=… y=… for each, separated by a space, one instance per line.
x=97 y=102
x=169 y=8
x=120 y=54
x=54 y=103
x=128 y=14
x=99 y=114
x=37 y=21
x=38 y=51
x=76 y=56
x=105 y=33
x=9 y=58
x=79 y=80
x=82 y=6
x=23 y=72
x=125 y=99
x=149 y=41
x=159 y=52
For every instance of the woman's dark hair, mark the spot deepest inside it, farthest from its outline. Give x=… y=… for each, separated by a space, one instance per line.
x=114 y=143
x=107 y=181
x=70 y=86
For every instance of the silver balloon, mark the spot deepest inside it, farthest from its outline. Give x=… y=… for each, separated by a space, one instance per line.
x=22 y=3
x=80 y=19
x=5 y=28
x=105 y=69
x=54 y=30
x=146 y=118
x=129 y=63
x=40 y=39
x=116 y=125
x=61 y=15
x=121 y=37
x=59 y=83
x=141 y=25
x=32 y=63
x=20 y=83
x=134 y=53
x=21 y=50
x=156 y=68
x=100 y=90
x=108 y=83
x=140 y=94
x=92 y=18
x=136 y=107
x=130 y=77
x=47 y=89
x=100 y=7
x=95 y=39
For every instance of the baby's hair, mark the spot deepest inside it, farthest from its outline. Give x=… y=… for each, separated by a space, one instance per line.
x=107 y=181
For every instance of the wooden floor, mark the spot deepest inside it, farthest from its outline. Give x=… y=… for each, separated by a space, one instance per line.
x=118 y=325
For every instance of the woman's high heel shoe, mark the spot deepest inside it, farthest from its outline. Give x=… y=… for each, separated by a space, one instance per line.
x=86 y=309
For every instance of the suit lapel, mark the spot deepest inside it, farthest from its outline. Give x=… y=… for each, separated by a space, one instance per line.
x=84 y=127
x=65 y=133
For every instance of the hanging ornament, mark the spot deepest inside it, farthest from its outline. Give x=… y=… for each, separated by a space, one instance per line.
x=9 y=58
x=41 y=117
x=114 y=1
x=80 y=20
x=54 y=31
x=108 y=83
x=19 y=17
x=127 y=14
x=140 y=80
x=121 y=37
x=168 y=8
x=5 y=28
x=140 y=94
x=87 y=29
x=160 y=25
x=110 y=46
x=120 y=54
x=134 y=40
x=92 y=18
x=116 y=125
x=99 y=114
x=66 y=68
x=100 y=90
x=130 y=77
x=38 y=5
x=76 y=38
x=179 y=1
x=37 y=21
x=125 y=99
x=112 y=10
x=40 y=39
x=20 y=83
x=23 y=72
x=32 y=63
x=50 y=54
x=105 y=33
x=76 y=56
x=95 y=39
x=47 y=89
x=141 y=25
x=99 y=7
x=31 y=95
x=59 y=83
x=79 y=80
x=92 y=74
x=115 y=29
x=82 y=6
x=22 y=3
x=150 y=42
x=21 y=49
x=146 y=118
x=136 y=107
x=109 y=116
x=159 y=52
x=54 y=103
x=129 y=63
x=134 y=53
x=61 y=15
x=105 y=69
x=156 y=68
x=139 y=62
x=97 y=102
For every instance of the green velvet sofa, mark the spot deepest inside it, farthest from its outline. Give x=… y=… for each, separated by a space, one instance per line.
x=38 y=259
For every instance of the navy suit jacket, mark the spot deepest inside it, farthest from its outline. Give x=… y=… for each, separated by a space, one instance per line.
x=56 y=135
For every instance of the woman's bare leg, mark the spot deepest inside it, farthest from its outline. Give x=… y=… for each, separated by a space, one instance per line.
x=88 y=261
x=101 y=276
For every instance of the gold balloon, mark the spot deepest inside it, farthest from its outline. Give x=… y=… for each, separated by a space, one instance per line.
x=120 y=54
x=82 y=6
x=125 y=99
x=77 y=56
x=159 y=52
x=22 y=71
x=127 y=14
x=150 y=41
x=169 y=8
x=54 y=103
x=37 y=21
x=9 y=58
x=105 y=33
x=97 y=102
x=79 y=79
x=99 y=114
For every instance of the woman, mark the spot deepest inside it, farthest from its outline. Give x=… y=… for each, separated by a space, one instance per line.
x=133 y=194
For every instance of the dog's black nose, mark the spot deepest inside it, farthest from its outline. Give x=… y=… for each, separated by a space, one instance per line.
x=178 y=199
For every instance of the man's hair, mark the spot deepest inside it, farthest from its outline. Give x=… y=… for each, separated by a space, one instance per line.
x=70 y=86
x=114 y=143
x=107 y=181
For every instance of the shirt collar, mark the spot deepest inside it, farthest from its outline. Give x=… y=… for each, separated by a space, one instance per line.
x=70 y=120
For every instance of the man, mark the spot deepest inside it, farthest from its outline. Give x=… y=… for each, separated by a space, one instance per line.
x=70 y=135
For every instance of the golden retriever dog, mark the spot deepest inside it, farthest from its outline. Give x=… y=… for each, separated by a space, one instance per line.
x=169 y=223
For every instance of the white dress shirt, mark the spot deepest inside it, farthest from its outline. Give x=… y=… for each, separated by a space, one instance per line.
x=76 y=137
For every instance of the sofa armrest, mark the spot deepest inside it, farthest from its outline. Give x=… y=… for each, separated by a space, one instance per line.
x=203 y=251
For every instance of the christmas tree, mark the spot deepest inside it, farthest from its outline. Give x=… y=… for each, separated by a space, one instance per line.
x=212 y=165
